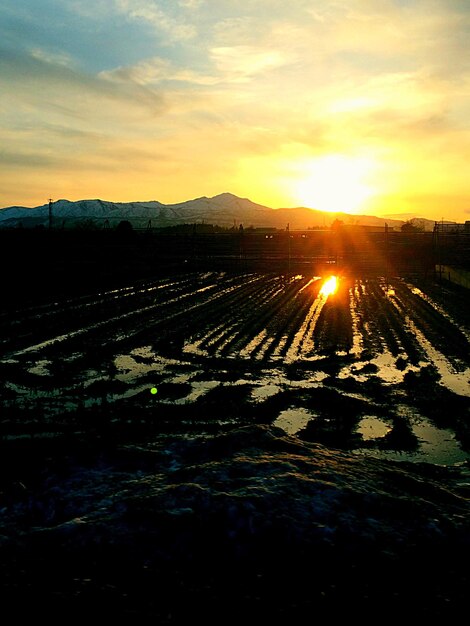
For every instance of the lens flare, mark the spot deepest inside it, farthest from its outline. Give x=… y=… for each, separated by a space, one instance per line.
x=329 y=287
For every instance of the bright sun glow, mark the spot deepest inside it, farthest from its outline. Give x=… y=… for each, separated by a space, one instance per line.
x=335 y=183
x=329 y=287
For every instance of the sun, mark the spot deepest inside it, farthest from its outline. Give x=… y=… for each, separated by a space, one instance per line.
x=335 y=183
x=329 y=287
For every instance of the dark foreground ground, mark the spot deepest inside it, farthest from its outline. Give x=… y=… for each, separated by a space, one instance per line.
x=248 y=526
x=155 y=522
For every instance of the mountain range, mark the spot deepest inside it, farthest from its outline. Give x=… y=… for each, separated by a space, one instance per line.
x=224 y=209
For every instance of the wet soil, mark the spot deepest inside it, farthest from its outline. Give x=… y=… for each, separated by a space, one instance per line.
x=381 y=367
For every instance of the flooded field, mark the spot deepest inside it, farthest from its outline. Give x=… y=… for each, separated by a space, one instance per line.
x=377 y=366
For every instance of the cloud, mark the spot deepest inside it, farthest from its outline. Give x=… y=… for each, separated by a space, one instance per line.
x=16 y=158
x=41 y=81
x=105 y=154
x=157 y=70
x=191 y=4
x=95 y=10
x=53 y=58
x=370 y=34
x=240 y=63
x=152 y=13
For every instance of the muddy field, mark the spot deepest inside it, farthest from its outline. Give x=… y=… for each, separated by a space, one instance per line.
x=379 y=367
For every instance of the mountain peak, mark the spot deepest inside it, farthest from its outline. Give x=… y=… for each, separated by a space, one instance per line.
x=226 y=196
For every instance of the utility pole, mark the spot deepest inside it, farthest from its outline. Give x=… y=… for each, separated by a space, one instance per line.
x=387 y=258
x=50 y=213
x=437 y=251
x=288 y=250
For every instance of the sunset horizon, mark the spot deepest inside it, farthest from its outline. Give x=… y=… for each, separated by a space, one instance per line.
x=394 y=216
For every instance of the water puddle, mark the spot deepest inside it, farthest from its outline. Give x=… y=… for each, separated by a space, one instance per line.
x=41 y=368
x=417 y=292
x=130 y=393
x=438 y=445
x=384 y=366
x=457 y=382
x=371 y=427
x=264 y=348
x=312 y=382
x=357 y=342
x=272 y=376
x=144 y=352
x=259 y=394
x=194 y=346
x=253 y=344
x=199 y=389
x=293 y=420
x=73 y=356
x=129 y=369
x=20 y=390
x=277 y=353
x=183 y=378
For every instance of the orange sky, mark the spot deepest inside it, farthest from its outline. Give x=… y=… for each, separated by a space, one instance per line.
x=360 y=106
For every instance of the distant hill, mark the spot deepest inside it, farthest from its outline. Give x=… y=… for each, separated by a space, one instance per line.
x=224 y=209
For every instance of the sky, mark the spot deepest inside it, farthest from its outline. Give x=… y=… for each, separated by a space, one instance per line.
x=360 y=106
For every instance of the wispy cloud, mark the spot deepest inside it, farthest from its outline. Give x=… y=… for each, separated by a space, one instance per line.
x=240 y=63
x=155 y=71
x=153 y=13
x=38 y=79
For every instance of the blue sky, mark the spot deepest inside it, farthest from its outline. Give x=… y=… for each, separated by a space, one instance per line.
x=360 y=106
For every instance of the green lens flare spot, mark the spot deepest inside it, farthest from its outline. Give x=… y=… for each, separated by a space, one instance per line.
x=153 y=391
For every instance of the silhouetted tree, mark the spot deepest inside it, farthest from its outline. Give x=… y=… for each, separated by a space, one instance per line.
x=125 y=231
x=411 y=227
x=124 y=227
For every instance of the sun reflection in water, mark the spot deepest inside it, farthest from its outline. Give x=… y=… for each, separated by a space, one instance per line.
x=329 y=287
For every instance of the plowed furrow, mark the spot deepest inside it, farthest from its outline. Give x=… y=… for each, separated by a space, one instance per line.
x=253 y=323
x=446 y=336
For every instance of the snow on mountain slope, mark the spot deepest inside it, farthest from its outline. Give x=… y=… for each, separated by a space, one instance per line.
x=224 y=209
